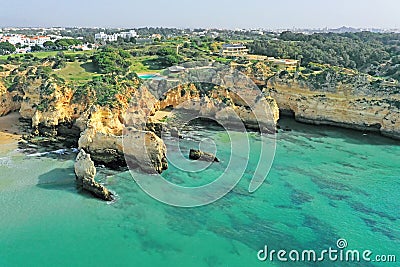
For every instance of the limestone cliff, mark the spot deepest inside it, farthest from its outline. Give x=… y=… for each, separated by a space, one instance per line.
x=222 y=104
x=58 y=108
x=346 y=100
x=145 y=150
x=40 y=96
x=10 y=98
x=47 y=101
x=102 y=136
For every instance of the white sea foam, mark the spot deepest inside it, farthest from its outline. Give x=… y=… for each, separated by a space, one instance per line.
x=62 y=151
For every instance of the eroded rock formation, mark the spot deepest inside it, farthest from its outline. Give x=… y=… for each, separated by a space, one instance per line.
x=237 y=100
x=355 y=104
x=85 y=172
x=10 y=98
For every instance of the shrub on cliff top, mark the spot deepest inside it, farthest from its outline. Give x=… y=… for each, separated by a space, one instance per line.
x=103 y=90
x=112 y=61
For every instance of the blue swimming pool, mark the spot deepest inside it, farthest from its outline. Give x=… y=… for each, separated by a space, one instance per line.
x=150 y=76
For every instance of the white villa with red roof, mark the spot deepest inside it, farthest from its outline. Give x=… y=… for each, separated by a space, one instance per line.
x=24 y=40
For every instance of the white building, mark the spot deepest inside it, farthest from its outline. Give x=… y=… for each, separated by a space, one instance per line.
x=130 y=34
x=101 y=36
x=106 y=37
x=38 y=40
x=24 y=40
x=114 y=37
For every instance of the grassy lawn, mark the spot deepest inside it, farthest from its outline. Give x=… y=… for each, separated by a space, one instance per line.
x=43 y=54
x=78 y=72
x=145 y=64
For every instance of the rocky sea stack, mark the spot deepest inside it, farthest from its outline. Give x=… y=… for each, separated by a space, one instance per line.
x=85 y=172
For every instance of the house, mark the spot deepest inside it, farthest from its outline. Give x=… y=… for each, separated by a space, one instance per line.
x=24 y=40
x=234 y=50
x=287 y=64
x=38 y=40
x=128 y=35
x=83 y=47
x=106 y=37
x=156 y=36
x=114 y=37
x=100 y=36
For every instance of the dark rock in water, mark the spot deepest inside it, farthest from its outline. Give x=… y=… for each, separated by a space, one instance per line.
x=175 y=133
x=204 y=156
x=108 y=157
x=85 y=172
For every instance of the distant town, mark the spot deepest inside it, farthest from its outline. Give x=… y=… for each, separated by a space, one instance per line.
x=27 y=40
x=78 y=52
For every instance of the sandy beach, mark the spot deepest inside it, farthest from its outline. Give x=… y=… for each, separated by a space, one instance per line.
x=161 y=115
x=10 y=132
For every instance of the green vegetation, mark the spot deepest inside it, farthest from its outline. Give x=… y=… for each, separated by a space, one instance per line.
x=103 y=75
x=78 y=72
x=6 y=48
x=144 y=64
x=112 y=61
x=101 y=80
x=59 y=45
x=103 y=90
x=46 y=54
x=376 y=54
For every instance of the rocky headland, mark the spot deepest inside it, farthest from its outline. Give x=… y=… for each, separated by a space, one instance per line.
x=61 y=112
x=353 y=101
x=101 y=126
x=332 y=96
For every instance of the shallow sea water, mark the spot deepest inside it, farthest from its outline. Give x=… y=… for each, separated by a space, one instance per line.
x=325 y=184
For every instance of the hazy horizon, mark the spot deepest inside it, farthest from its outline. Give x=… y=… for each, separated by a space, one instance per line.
x=252 y=14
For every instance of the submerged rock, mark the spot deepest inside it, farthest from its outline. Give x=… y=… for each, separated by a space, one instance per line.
x=85 y=172
x=204 y=156
x=175 y=133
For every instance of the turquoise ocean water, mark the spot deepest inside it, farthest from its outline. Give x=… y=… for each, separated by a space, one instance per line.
x=324 y=184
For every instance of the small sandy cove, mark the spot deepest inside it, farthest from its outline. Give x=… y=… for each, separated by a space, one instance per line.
x=161 y=115
x=10 y=132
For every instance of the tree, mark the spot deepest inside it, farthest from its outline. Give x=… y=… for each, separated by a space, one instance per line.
x=62 y=43
x=165 y=51
x=36 y=48
x=6 y=48
x=49 y=45
x=170 y=60
x=112 y=61
x=215 y=47
x=66 y=43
